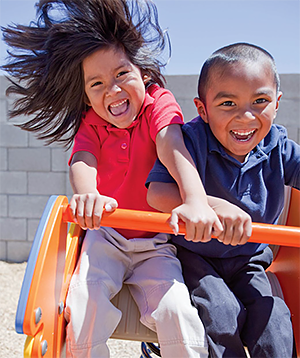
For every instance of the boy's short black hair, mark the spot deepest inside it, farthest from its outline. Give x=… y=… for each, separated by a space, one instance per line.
x=230 y=54
x=45 y=62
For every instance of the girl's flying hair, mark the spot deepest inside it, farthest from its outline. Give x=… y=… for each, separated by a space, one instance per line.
x=46 y=57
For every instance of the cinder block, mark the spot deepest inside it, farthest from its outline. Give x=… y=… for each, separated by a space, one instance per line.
x=3 y=158
x=34 y=142
x=293 y=134
x=18 y=251
x=3 y=205
x=183 y=87
x=12 y=229
x=46 y=183
x=290 y=86
x=26 y=206
x=32 y=227
x=3 y=110
x=4 y=83
x=13 y=182
x=11 y=136
x=3 y=254
x=29 y=159
x=59 y=160
x=69 y=190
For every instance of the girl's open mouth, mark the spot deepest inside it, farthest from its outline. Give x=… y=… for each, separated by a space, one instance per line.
x=242 y=135
x=118 y=108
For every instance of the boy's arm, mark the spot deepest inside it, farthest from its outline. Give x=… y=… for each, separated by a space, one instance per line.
x=87 y=203
x=236 y=222
x=198 y=216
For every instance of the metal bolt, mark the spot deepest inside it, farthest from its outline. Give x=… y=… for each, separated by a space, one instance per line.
x=38 y=315
x=61 y=307
x=44 y=347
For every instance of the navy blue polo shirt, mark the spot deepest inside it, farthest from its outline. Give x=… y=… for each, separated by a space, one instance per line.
x=256 y=186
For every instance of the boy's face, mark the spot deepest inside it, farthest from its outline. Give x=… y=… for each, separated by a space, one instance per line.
x=114 y=86
x=241 y=104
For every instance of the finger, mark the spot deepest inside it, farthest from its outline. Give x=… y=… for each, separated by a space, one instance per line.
x=190 y=229
x=173 y=222
x=206 y=233
x=247 y=231
x=111 y=205
x=237 y=234
x=217 y=228
x=73 y=207
x=228 y=233
x=89 y=212
x=80 y=213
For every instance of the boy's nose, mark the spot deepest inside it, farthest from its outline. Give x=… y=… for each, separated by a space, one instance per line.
x=246 y=114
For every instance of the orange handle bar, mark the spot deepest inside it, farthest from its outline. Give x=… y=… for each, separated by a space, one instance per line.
x=158 y=222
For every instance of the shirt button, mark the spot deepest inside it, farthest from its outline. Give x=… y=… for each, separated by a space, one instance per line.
x=124 y=146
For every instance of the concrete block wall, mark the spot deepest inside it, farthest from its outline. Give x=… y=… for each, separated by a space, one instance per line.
x=30 y=172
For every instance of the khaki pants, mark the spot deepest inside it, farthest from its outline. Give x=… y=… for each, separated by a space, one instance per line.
x=150 y=267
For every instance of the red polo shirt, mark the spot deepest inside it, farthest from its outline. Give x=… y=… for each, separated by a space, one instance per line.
x=126 y=156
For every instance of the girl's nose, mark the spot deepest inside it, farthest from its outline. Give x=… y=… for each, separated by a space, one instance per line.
x=113 y=88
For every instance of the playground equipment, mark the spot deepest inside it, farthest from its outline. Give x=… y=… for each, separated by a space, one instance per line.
x=54 y=254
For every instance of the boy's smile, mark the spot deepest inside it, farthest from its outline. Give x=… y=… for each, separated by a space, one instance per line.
x=240 y=105
x=114 y=86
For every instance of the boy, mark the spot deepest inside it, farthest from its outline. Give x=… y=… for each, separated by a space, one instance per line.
x=244 y=158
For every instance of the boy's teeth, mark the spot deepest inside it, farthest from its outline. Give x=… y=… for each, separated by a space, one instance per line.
x=243 y=135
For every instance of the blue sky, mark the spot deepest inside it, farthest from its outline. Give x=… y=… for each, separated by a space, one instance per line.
x=199 y=27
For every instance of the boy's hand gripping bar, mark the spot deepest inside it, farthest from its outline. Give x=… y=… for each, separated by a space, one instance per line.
x=158 y=222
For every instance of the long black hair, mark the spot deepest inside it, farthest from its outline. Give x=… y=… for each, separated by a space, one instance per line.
x=46 y=56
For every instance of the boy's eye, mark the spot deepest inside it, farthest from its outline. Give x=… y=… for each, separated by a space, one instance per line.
x=228 y=103
x=260 y=100
x=98 y=83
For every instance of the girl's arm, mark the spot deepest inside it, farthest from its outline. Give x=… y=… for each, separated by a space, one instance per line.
x=236 y=222
x=87 y=203
x=199 y=217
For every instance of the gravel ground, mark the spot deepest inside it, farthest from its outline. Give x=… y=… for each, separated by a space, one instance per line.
x=11 y=343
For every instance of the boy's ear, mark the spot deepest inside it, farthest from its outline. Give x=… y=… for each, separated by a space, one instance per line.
x=278 y=99
x=200 y=108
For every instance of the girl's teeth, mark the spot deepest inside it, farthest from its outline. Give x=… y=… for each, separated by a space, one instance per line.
x=118 y=104
x=118 y=108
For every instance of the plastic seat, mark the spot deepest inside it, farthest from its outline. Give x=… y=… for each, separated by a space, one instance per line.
x=55 y=251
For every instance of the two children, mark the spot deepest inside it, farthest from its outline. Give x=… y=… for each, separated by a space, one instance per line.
x=244 y=158
x=88 y=71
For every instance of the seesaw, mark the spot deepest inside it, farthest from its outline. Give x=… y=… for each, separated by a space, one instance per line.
x=54 y=254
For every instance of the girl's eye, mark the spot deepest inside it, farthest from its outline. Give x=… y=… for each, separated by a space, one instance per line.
x=98 y=83
x=122 y=73
x=227 y=104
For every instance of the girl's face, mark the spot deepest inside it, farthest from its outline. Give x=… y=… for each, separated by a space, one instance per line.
x=240 y=105
x=114 y=86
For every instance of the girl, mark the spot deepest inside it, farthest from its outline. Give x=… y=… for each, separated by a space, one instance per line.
x=89 y=71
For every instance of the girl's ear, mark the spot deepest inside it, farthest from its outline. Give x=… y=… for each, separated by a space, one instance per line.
x=201 y=108
x=146 y=78
x=86 y=100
